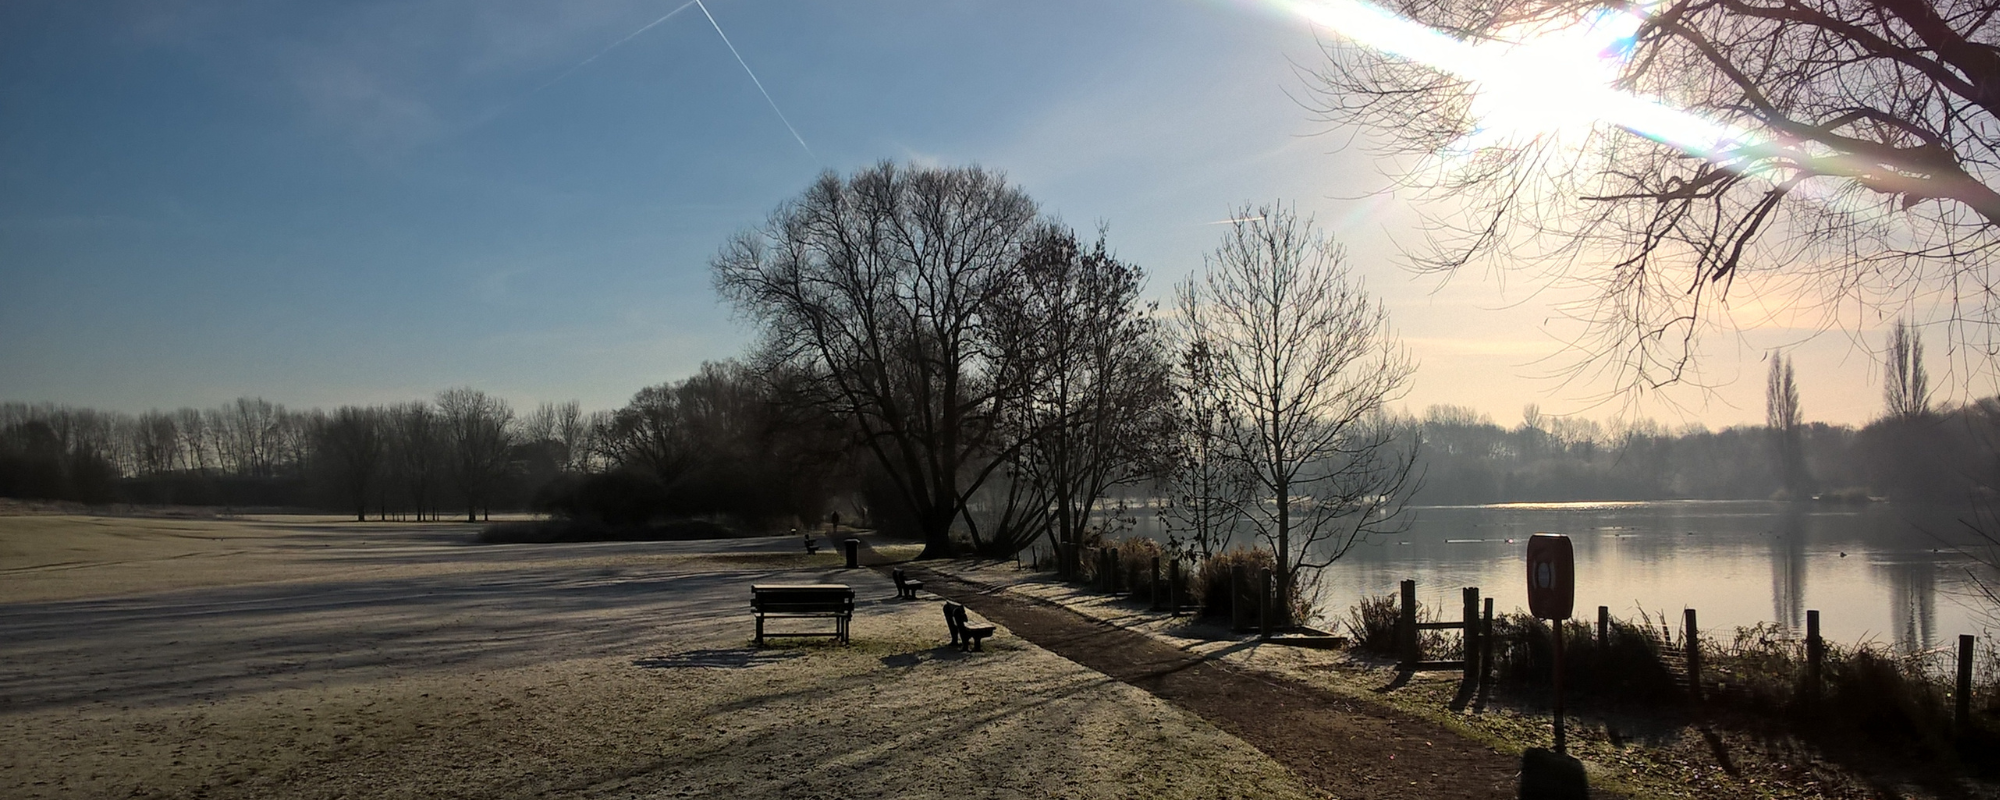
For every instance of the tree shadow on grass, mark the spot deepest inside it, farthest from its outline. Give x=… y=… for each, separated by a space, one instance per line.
x=940 y=653
x=718 y=659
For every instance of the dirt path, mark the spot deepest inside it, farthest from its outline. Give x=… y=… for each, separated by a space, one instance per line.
x=1350 y=749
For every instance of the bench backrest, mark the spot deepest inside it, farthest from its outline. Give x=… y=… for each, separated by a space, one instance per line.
x=803 y=598
x=897 y=576
x=954 y=618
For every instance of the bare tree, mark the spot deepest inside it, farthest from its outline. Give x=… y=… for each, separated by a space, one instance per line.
x=652 y=436
x=417 y=454
x=353 y=442
x=1305 y=359
x=1092 y=413
x=1809 y=151
x=1782 y=416
x=478 y=433
x=157 y=444
x=876 y=290
x=1906 y=387
x=192 y=426
x=566 y=427
x=1205 y=487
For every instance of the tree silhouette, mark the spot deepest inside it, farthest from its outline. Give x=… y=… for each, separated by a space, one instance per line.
x=1830 y=150
x=1782 y=416
x=877 y=291
x=1305 y=360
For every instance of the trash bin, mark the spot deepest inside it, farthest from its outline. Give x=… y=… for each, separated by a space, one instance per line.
x=853 y=547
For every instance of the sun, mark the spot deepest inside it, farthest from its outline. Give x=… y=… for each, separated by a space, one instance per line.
x=1531 y=80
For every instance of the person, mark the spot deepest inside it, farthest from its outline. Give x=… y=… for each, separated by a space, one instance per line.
x=835 y=517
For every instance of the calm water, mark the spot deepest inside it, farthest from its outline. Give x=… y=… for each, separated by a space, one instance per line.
x=1737 y=563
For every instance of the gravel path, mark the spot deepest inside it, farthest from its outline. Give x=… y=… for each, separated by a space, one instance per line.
x=1337 y=745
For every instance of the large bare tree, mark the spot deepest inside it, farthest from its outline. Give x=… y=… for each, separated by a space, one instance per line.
x=1093 y=410
x=876 y=289
x=1807 y=153
x=1305 y=359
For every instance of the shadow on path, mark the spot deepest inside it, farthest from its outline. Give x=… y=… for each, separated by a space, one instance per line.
x=1345 y=747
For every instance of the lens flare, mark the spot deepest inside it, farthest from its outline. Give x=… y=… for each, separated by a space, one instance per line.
x=1531 y=81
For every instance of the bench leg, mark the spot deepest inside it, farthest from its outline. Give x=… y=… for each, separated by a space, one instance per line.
x=760 y=631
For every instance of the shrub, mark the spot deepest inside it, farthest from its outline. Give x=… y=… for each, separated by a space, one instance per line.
x=1372 y=623
x=1214 y=576
x=1632 y=665
x=1871 y=697
x=1135 y=566
x=1886 y=698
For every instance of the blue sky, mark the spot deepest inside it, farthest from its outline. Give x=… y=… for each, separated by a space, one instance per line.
x=328 y=203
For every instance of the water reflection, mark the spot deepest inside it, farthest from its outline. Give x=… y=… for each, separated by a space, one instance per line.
x=1738 y=563
x=1788 y=570
x=1912 y=602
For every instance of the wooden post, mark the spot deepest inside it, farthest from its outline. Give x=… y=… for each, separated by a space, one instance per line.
x=1562 y=736
x=1962 y=697
x=1470 y=646
x=1174 y=586
x=1815 y=655
x=1406 y=625
x=1239 y=611
x=1264 y=603
x=1486 y=643
x=1603 y=627
x=1153 y=588
x=1692 y=634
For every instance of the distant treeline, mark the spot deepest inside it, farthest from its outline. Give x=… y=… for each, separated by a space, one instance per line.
x=1947 y=455
x=714 y=443
x=725 y=442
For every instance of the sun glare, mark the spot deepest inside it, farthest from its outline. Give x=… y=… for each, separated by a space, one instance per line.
x=1529 y=82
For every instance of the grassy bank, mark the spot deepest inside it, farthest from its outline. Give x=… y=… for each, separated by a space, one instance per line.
x=1867 y=702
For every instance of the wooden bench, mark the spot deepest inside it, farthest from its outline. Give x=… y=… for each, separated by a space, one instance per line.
x=963 y=634
x=834 y=600
x=812 y=547
x=906 y=589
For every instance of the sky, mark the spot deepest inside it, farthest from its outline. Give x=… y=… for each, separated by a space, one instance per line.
x=365 y=202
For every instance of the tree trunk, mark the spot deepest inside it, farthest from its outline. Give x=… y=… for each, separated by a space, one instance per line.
x=937 y=532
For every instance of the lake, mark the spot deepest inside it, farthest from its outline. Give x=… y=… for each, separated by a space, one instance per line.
x=1873 y=571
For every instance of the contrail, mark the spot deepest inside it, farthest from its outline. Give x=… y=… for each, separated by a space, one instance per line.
x=502 y=108
x=753 y=75
x=1235 y=219
x=614 y=45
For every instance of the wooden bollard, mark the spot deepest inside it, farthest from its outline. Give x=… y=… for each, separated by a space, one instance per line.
x=1239 y=611
x=1264 y=603
x=1815 y=655
x=1153 y=587
x=1174 y=586
x=1471 y=638
x=1406 y=625
x=1603 y=627
x=1486 y=642
x=1693 y=645
x=1962 y=696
